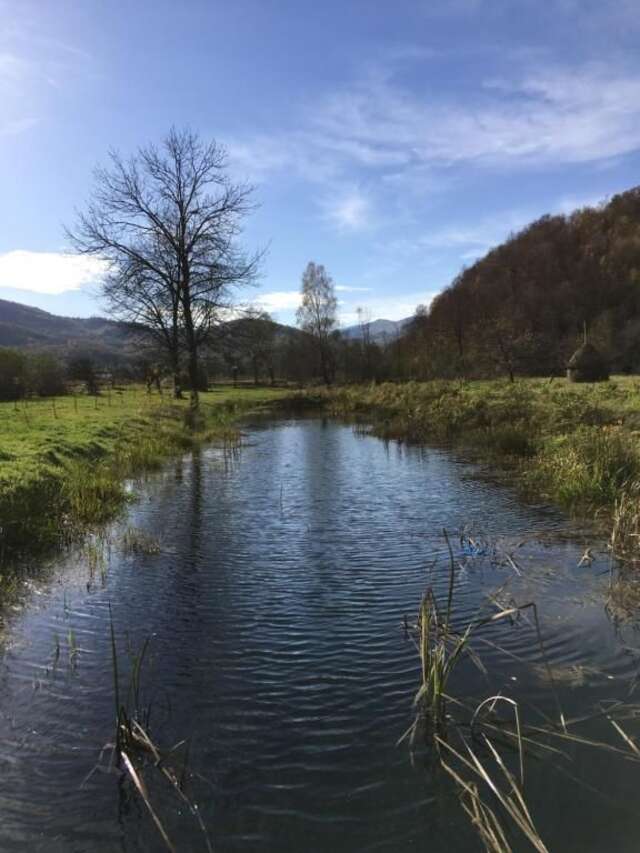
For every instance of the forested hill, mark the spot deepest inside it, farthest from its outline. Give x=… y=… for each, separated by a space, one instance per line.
x=522 y=307
x=108 y=342
x=25 y=327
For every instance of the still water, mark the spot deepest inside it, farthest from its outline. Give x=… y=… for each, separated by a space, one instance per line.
x=275 y=615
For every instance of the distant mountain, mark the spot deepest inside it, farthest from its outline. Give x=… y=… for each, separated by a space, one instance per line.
x=379 y=330
x=107 y=341
x=31 y=328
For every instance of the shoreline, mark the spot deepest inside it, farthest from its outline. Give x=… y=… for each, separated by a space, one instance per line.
x=64 y=461
x=574 y=445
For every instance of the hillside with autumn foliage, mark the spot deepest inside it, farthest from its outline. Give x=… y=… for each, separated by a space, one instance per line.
x=522 y=308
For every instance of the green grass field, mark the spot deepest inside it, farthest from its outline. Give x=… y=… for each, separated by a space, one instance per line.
x=63 y=460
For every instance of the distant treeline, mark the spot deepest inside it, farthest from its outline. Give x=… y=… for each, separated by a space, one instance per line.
x=523 y=308
x=520 y=310
x=23 y=374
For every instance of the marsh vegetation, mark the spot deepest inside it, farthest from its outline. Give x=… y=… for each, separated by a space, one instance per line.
x=213 y=679
x=576 y=446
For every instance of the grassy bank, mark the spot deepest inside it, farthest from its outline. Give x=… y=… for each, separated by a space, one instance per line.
x=63 y=461
x=577 y=445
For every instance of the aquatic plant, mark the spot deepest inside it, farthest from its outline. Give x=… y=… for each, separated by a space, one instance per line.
x=134 y=748
x=465 y=734
x=135 y=541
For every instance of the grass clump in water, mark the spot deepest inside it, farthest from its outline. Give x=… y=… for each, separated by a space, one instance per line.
x=135 y=541
x=482 y=749
x=134 y=754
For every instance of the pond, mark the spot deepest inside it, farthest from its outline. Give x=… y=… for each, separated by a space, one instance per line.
x=274 y=613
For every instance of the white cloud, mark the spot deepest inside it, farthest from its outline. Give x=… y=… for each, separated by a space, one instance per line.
x=351 y=211
x=279 y=300
x=48 y=272
x=343 y=288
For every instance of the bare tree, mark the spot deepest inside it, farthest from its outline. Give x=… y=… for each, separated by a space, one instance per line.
x=167 y=222
x=364 y=321
x=317 y=314
x=151 y=304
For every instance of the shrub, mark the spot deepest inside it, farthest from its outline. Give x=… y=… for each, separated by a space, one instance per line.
x=13 y=374
x=45 y=376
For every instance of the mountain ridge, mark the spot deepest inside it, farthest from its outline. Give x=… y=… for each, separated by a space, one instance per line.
x=379 y=329
x=26 y=327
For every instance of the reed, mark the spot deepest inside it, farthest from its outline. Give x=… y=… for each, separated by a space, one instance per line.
x=135 y=541
x=625 y=529
x=500 y=782
x=484 y=751
x=134 y=749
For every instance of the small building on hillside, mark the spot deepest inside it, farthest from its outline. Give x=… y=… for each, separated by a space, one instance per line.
x=587 y=364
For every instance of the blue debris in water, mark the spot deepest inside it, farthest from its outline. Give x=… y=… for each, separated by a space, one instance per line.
x=470 y=548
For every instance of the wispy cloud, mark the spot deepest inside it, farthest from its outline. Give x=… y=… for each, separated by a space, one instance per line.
x=567 y=204
x=349 y=210
x=32 y=64
x=559 y=115
x=48 y=272
x=538 y=115
x=472 y=240
x=477 y=238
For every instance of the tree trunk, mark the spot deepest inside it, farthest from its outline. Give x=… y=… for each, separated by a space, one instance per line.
x=177 y=389
x=192 y=348
x=175 y=354
x=324 y=364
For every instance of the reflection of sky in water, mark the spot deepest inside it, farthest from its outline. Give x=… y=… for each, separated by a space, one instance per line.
x=275 y=611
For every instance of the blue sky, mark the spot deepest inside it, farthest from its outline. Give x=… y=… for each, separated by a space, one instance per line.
x=394 y=142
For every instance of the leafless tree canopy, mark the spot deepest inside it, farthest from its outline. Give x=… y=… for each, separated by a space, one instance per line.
x=317 y=313
x=168 y=221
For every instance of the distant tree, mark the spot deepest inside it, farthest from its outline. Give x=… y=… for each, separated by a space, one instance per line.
x=13 y=374
x=258 y=333
x=167 y=223
x=82 y=369
x=317 y=314
x=45 y=375
x=364 y=321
